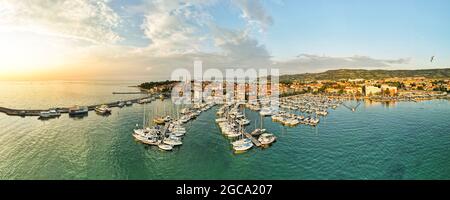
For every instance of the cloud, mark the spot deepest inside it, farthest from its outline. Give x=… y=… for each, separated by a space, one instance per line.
x=92 y=20
x=254 y=12
x=315 y=63
x=182 y=32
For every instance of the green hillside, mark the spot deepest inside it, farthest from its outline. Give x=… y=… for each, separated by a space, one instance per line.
x=367 y=74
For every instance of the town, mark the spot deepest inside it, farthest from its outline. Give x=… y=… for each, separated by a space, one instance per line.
x=408 y=88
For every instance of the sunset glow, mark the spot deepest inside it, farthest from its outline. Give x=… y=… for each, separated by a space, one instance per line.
x=110 y=38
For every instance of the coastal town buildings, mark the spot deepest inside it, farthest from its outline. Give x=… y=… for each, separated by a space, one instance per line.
x=372 y=90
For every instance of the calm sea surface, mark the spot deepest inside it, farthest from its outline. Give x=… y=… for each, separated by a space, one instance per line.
x=405 y=140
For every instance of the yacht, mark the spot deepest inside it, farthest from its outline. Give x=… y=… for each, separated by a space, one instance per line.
x=165 y=147
x=223 y=119
x=120 y=104
x=242 y=148
x=172 y=142
x=184 y=119
x=266 y=112
x=233 y=134
x=103 y=110
x=241 y=142
x=243 y=122
x=77 y=110
x=49 y=114
x=147 y=138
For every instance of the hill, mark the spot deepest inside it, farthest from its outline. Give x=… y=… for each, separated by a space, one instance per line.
x=367 y=74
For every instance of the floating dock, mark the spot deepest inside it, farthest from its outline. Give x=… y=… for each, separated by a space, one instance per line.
x=254 y=140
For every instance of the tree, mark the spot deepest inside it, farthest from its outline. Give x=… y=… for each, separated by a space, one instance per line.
x=387 y=92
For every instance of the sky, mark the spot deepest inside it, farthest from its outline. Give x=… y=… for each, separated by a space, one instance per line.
x=148 y=39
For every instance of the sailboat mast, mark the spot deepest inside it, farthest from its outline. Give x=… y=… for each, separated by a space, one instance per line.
x=143 y=119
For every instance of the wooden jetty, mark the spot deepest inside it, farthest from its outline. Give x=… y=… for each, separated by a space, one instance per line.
x=254 y=140
x=36 y=112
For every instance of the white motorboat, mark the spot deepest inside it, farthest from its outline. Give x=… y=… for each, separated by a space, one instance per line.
x=243 y=122
x=223 y=119
x=103 y=110
x=49 y=114
x=241 y=142
x=165 y=147
x=233 y=135
x=121 y=104
x=242 y=148
x=172 y=142
x=266 y=112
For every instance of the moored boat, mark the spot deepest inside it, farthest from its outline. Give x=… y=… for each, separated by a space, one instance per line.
x=78 y=110
x=242 y=148
x=49 y=114
x=165 y=147
x=103 y=110
x=267 y=138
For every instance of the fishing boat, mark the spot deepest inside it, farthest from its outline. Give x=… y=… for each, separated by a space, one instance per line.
x=78 y=110
x=103 y=110
x=49 y=114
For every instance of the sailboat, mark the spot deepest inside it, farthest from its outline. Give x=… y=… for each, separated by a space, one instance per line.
x=242 y=144
x=146 y=135
x=260 y=130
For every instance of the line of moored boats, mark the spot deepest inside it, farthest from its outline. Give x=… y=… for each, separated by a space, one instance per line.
x=232 y=122
x=167 y=132
x=80 y=111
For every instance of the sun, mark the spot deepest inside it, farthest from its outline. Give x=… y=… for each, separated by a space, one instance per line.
x=28 y=52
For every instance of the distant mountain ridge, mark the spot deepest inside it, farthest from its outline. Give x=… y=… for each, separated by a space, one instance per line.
x=367 y=74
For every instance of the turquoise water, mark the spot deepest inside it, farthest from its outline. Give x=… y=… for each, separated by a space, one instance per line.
x=405 y=140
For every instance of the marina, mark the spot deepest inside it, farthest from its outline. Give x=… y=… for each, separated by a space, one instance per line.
x=98 y=147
